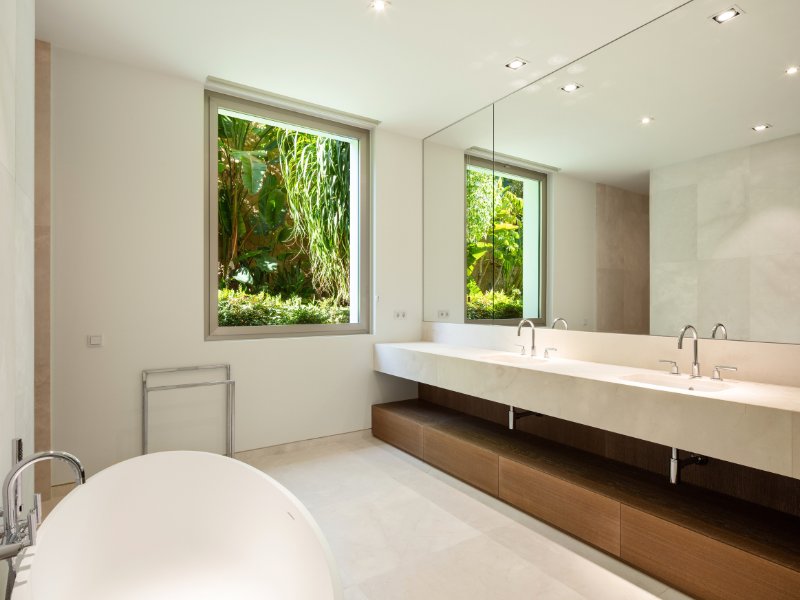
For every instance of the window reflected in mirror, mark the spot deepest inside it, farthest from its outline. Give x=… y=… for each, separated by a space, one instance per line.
x=505 y=230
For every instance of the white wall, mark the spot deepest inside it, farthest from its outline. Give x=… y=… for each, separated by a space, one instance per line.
x=571 y=272
x=128 y=201
x=17 y=67
x=725 y=244
x=444 y=232
x=16 y=226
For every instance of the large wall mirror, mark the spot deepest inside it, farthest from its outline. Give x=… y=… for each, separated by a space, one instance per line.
x=653 y=183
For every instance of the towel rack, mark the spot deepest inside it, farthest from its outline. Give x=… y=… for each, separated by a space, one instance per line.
x=230 y=397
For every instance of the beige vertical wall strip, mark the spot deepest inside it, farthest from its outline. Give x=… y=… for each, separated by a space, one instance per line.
x=41 y=306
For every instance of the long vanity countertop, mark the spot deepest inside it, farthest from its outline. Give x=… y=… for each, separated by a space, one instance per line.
x=749 y=423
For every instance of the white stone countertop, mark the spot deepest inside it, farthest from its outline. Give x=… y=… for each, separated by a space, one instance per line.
x=753 y=424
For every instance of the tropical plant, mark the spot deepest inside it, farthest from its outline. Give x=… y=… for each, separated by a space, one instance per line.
x=494 y=231
x=251 y=202
x=316 y=171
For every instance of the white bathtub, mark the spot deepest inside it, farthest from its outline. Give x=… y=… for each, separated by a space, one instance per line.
x=179 y=526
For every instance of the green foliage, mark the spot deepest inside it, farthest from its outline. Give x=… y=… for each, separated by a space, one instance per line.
x=238 y=308
x=493 y=244
x=316 y=171
x=283 y=211
x=493 y=304
x=480 y=198
x=251 y=203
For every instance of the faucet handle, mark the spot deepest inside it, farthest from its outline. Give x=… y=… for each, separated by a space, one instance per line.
x=37 y=508
x=548 y=350
x=716 y=375
x=521 y=349
x=674 y=369
x=33 y=527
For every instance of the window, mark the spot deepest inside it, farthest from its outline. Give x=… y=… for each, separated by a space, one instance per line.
x=505 y=230
x=288 y=222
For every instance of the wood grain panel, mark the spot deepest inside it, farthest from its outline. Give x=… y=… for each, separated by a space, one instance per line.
x=477 y=466
x=463 y=403
x=767 y=489
x=397 y=430
x=590 y=516
x=41 y=269
x=699 y=565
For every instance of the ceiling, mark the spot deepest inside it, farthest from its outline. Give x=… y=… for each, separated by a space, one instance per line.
x=417 y=67
x=705 y=84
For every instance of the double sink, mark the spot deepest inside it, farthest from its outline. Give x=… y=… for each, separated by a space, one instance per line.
x=657 y=380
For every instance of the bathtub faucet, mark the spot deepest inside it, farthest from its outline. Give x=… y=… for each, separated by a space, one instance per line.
x=11 y=528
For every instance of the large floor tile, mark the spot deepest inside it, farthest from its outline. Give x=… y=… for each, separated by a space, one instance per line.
x=401 y=529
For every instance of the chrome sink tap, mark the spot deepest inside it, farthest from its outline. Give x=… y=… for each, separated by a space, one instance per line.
x=561 y=320
x=695 y=364
x=719 y=327
x=533 y=334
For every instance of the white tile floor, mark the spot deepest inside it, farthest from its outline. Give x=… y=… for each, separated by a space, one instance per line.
x=400 y=529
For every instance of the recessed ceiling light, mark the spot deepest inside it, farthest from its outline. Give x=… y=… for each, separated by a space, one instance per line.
x=516 y=63
x=792 y=70
x=727 y=15
x=646 y=120
x=761 y=127
x=571 y=87
x=379 y=5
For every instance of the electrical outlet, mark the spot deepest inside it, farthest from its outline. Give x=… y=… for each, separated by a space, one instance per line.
x=399 y=314
x=94 y=340
x=442 y=313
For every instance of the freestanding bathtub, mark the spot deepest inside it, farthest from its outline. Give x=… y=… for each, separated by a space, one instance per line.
x=179 y=526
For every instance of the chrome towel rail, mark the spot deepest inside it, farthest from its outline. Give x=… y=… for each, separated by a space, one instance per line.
x=230 y=397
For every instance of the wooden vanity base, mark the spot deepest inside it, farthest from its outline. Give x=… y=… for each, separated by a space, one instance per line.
x=703 y=543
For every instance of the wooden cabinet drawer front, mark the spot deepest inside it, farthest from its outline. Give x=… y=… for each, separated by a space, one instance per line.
x=477 y=466
x=702 y=566
x=585 y=514
x=397 y=431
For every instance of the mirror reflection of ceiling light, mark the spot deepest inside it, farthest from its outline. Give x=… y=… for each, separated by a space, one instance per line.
x=379 y=5
x=571 y=87
x=516 y=63
x=792 y=70
x=761 y=127
x=646 y=120
x=727 y=15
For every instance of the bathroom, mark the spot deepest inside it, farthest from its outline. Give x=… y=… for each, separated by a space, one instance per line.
x=106 y=260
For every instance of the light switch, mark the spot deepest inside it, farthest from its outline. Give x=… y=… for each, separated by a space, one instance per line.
x=94 y=341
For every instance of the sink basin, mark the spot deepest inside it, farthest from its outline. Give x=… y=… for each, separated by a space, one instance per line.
x=680 y=382
x=511 y=358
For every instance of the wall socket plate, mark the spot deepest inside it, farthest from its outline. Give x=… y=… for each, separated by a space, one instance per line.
x=443 y=313
x=400 y=314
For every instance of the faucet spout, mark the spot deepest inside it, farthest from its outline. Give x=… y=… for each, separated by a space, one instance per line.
x=695 y=363
x=9 y=510
x=560 y=320
x=533 y=334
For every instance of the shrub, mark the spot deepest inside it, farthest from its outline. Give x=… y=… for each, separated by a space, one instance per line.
x=493 y=305
x=237 y=308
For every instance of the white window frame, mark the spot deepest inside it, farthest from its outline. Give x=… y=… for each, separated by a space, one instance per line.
x=360 y=281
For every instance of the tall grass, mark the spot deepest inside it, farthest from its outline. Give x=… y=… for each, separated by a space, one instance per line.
x=316 y=172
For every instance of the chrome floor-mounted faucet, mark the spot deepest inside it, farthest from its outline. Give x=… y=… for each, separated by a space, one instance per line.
x=695 y=364
x=18 y=535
